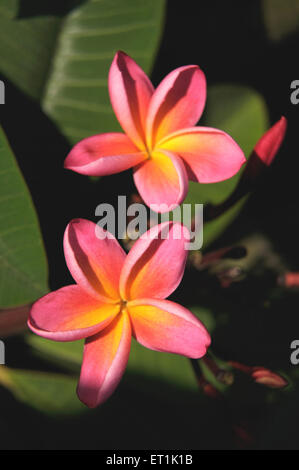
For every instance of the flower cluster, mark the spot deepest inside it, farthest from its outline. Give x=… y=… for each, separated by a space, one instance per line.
x=119 y=295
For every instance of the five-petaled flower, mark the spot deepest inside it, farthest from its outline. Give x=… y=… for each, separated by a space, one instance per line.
x=117 y=296
x=160 y=141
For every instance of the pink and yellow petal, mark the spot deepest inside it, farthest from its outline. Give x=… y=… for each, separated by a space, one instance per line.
x=103 y=154
x=162 y=181
x=69 y=314
x=94 y=258
x=210 y=155
x=178 y=102
x=104 y=361
x=130 y=92
x=165 y=326
x=155 y=265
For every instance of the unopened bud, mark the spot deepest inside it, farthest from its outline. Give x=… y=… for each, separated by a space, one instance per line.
x=268 y=146
x=261 y=375
x=268 y=378
x=261 y=157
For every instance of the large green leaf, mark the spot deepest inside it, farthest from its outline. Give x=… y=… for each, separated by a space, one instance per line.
x=242 y=113
x=23 y=265
x=63 y=60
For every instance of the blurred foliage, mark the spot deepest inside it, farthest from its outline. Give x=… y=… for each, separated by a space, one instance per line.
x=242 y=113
x=54 y=59
x=281 y=18
x=46 y=392
x=64 y=59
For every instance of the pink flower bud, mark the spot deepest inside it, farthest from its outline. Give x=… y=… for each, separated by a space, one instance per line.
x=261 y=375
x=261 y=157
x=266 y=377
x=265 y=150
x=290 y=279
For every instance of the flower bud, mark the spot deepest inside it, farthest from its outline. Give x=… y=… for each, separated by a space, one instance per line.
x=261 y=157
x=261 y=375
x=289 y=279
x=265 y=150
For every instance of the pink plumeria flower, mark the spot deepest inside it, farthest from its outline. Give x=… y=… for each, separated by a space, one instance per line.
x=117 y=296
x=159 y=140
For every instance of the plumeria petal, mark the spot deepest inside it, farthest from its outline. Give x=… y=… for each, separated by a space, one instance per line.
x=210 y=155
x=163 y=325
x=177 y=102
x=94 y=258
x=103 y=154
x=130 y=92
x=268 y=145
x=155 y=264
x=104 y=361
x=69 y=314
x=162 y=180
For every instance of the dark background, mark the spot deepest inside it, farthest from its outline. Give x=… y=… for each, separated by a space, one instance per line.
x=229 y=42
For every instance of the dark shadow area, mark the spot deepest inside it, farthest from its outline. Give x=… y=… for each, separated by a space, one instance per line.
x=128 y=420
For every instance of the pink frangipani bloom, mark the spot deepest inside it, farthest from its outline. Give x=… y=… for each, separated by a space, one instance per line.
x=160 y=141
x=117 y=296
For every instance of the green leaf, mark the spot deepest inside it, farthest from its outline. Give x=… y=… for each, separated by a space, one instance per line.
x=23 y=264
x=68 y=354
x=46 y=392
x=242 y=113
x=281 y=18
x=63 y=61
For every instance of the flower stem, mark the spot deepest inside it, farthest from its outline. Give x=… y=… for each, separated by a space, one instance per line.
x=197 y=371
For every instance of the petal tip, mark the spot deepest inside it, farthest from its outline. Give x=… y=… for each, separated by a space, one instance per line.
x=120 y=53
